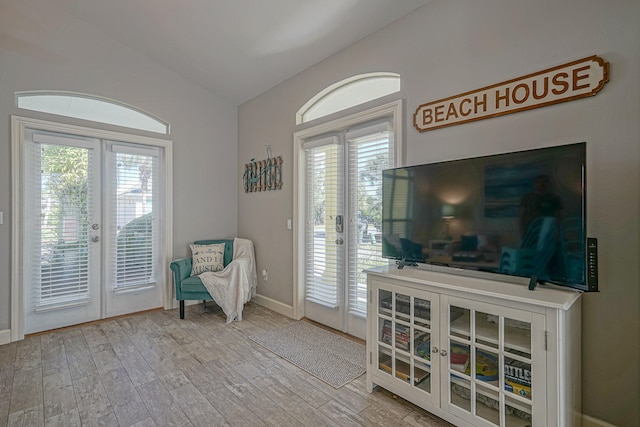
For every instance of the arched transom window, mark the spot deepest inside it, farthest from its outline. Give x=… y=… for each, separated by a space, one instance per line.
x=89 y=107
x=347 y=93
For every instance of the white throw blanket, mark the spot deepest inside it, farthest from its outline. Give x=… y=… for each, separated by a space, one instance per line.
x=233 y=286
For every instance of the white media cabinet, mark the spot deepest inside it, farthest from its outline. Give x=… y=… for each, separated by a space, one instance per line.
x=473 y=351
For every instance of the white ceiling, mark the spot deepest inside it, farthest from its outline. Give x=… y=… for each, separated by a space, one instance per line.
x=239 y=48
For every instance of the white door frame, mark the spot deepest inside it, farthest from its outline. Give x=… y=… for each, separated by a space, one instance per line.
x=393 y=109
x=18 y=127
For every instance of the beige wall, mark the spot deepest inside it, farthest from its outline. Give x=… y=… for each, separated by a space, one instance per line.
x=44 y=49
x=450 y=47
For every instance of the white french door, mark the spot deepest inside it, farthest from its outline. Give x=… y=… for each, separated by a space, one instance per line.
x=132 y=228
x=61 y=206
x=342 y=221
x=91 y=229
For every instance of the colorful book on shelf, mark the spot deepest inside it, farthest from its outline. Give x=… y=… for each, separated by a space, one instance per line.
x=517 y=378
x=459 y=357
x=386 y=332
x=486 y=366
x=486 y=363
x=402 y=335
x=519 y=389
x=518 y=372
x=422 y=344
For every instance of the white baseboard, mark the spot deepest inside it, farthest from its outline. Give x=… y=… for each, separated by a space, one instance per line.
x=271 y=304
x=5 y=336
x=588 y=421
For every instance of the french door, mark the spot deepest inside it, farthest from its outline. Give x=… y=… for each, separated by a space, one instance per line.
x=342 y=221
x=91 y=229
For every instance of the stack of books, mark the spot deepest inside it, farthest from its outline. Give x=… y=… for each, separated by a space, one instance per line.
x=403 y=335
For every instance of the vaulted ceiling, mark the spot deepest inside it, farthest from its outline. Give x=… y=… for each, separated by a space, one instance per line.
x=238 y=48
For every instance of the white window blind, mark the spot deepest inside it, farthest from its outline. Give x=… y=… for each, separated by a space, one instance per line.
x=133 y=216
x=59 y=188
x=324 y=180
x=370 y=151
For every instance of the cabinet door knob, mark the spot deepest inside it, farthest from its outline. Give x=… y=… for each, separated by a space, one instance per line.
x=443 y=352
x=434 y=350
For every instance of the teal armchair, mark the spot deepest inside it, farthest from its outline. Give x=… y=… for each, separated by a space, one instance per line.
x=190 y=287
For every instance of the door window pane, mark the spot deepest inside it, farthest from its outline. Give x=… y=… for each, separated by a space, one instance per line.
x=517 y=377
x=460 y=320
x=134 y=221
x=403 y=337
x=323 y=269
x=488 y=405
x=63 y=194
x=517 y=413
x=517 y=337
x=422 y=344
x=487 y=329
x=403 y=307
x=460 y=393
x=370 y=151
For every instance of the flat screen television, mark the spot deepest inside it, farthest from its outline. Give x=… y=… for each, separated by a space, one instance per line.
x=520 y=214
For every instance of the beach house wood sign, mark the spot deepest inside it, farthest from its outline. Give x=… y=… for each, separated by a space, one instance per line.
x=574 y=80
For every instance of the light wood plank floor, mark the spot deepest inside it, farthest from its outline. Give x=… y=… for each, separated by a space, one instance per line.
x=153 y=369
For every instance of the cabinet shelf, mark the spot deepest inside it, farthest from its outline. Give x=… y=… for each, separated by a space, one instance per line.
x=515 y=339
x=487 y=413
x=403 y=370
x=457 y=378
x=384 y=312
x=387 y=352
x=492 y=393
x=424 y=324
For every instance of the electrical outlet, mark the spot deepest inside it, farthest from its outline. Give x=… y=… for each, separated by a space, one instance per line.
x=265 y=275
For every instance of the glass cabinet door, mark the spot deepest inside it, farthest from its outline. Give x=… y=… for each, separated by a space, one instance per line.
x=404 y=325
x=489 y=362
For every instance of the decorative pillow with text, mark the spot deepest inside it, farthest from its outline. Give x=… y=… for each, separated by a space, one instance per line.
x=207 y=258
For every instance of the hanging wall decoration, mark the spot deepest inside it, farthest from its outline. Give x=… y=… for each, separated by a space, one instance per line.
x=575 y=80
x=263 y=175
